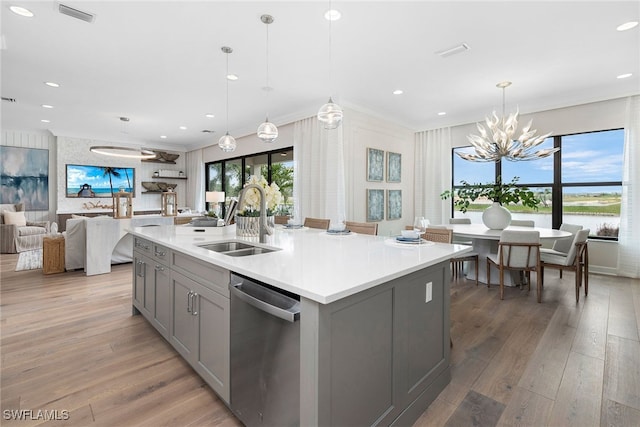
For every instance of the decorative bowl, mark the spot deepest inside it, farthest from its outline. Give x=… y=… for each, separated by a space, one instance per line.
x=150 y=186
x=410 y=234
x=169 y=157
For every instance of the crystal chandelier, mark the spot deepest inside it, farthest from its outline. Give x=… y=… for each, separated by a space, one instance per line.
x=267 y=131
x=227 y=143
x=330 y=114
x=497 y=140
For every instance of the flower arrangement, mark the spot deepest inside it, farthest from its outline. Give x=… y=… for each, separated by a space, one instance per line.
x=251 y=202
x=503 y=193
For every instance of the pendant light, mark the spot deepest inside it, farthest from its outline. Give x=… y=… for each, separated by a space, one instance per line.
x=267 y=131
x=227 y=143
x=330 y=114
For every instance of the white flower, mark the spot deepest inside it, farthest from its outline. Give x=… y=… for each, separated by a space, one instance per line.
x=251 y=201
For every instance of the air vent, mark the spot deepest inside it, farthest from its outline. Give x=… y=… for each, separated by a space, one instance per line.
x=208 y=131
x=463 y=47
x=9 y=99
x=75 y=13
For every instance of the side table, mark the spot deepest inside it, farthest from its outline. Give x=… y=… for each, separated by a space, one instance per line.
x=53 y=254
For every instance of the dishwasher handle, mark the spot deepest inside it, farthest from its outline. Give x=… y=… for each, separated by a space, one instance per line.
x=267 y=300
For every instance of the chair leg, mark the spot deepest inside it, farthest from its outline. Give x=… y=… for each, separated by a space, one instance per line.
x=578 y=281
x=477 y=261
x=501 y=283
x=488 y=274
x=586 y=270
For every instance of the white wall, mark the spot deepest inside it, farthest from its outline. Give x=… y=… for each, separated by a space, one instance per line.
x=41 y=140
x=76 y=151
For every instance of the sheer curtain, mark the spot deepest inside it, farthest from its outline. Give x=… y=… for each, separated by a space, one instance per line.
x=195 y=172
x=318 y=182
x=433 y=174
x=629 y=236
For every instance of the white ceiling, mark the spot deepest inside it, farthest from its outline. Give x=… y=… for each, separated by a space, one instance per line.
x=160 y=63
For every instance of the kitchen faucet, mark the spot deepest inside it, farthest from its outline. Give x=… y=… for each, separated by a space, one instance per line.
x=263 y=209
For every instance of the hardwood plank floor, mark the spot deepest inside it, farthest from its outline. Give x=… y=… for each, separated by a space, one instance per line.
x=69 y=343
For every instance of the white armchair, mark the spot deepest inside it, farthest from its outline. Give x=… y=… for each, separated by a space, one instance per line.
x=21 y=236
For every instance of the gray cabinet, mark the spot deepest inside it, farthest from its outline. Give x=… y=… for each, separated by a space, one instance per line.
x=200 y=330
x=142 y=297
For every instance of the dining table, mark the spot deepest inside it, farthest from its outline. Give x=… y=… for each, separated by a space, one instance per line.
x=485 y=242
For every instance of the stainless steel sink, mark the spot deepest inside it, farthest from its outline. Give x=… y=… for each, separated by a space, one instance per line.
x=237 y=249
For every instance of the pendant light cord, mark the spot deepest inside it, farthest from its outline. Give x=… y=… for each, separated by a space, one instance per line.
x=330 y=45
x=227 y=101
x=267 y=88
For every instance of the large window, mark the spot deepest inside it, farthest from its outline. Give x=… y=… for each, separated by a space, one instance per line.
x=275 y=166
x=581 y=184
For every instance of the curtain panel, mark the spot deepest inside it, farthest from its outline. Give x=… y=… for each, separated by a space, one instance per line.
x=195 y=172
x=629 y=235
x=433 y=174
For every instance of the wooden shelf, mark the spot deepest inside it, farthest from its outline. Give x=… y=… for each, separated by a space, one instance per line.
x=151 y=192
x=169 y=177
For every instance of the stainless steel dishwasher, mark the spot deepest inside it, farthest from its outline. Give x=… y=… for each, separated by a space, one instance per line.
x=265 y=354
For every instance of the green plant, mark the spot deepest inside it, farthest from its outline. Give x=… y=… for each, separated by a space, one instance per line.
x=503 y=193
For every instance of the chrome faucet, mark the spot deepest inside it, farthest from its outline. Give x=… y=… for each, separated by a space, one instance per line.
x=263 y=209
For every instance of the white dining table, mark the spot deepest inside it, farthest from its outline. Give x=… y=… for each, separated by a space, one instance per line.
x=485 y=241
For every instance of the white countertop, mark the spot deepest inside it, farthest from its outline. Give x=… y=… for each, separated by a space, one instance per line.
x=310 y=262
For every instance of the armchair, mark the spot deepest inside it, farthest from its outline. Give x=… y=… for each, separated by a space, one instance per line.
x=20 y=236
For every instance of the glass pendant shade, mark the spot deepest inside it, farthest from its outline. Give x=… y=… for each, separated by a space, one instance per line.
x=267 y=131
x=330 y=114
x=227 y=143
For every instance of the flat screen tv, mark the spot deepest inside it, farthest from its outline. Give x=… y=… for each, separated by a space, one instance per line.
x=98 y=181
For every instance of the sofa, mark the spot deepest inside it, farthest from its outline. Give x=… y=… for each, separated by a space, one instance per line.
x=16 y=233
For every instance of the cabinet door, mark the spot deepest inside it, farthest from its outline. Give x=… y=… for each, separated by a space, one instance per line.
x=148 y=307
x=162 y=299
x=212 y=358
x=184 y=323
x=139 y=279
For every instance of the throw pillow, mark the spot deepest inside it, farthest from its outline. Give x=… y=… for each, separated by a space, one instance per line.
x=16 y=218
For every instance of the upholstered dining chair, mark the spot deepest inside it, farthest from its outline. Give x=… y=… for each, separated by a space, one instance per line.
x=322 y=224
x=362 y=227
x=562 y=246
x=442 y=234
x=577 y=260
x=523 y=222
x=517 y=250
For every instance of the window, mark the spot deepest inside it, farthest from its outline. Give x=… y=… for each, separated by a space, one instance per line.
x=581 y=184
x=274 y=166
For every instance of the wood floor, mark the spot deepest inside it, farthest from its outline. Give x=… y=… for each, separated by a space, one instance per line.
x=71 y=347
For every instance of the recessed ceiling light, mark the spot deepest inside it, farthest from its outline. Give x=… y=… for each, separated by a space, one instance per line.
x=182 y=128
x=52 y=84
x=21 y=11
x=627 y=26
x=624 y=76
x=398 y=92
x=232 y=77
x=47 y=106
x=332 y=15
x=442 y=113
x=163 y=136
x=45 y=121
x=211 y=116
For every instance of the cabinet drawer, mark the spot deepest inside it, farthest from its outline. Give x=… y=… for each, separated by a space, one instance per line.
x=142 y=245
x=161 y=254
x=213 y=277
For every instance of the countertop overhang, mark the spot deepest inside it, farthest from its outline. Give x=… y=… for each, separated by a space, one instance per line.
x=310 y=262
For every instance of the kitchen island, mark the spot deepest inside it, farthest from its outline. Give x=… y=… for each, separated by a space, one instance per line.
x=374 y=315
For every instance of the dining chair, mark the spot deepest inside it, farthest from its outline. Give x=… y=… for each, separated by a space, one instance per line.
x=322 y=224
x=442 y=234
x=523 y=222
x=563 y=246
x=577 y=260
x=362 y=227
x=517 y=250
x=281 y=219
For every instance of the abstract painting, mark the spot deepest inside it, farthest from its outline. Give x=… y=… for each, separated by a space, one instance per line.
x=375 y=165
x=394 y=167
x=394 y=201
x=375 y=205
x=24 y=177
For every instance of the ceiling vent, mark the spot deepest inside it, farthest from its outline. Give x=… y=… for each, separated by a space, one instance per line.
x=75 y=13
x=462 y=47
x=8 y=99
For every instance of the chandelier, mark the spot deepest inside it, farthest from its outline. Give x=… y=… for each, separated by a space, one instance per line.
x=497 y=140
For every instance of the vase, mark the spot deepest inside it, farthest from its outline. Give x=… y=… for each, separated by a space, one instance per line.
x=496 y=217
x=249 y=226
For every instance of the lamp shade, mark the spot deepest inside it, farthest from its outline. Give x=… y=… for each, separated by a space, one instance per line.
x=214 y=196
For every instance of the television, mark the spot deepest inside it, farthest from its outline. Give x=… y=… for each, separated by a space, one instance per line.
x=98 y=181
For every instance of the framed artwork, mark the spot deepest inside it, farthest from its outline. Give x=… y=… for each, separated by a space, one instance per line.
x=375 y=165
x=394 y=204
x=375 y=205
x=394 y=167
x=24 y=177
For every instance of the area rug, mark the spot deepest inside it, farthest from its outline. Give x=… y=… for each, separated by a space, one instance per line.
x=29 y=260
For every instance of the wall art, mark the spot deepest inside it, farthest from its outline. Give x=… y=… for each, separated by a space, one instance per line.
x=375 y=165
x=394 y=167
x=394 y=204
x=375 y=205
x=24 y=177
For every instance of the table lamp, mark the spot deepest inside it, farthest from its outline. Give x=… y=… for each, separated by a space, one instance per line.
x=215 y=197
